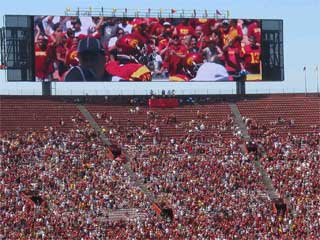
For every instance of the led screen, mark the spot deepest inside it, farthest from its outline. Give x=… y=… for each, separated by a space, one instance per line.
x=146 y=49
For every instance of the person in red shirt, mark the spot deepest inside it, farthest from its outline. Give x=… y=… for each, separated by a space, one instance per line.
x=251 y=55
x=232 y=60
x=143 y=37
x=156 y=29
x=174 y=56
x=184 y=28
x=163 y=39
x=255 y=30
x=141 y=33
x=205 y=24
x=231 y=34
x=44 y=57
x=136 y=22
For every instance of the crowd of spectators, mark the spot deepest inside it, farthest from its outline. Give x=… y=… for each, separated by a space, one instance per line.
x=57 y=185
x=187 y=175
x=165 y=48
x=62 y=185
x=292 y=162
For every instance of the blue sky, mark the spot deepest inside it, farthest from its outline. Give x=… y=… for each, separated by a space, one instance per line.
x=301 y=26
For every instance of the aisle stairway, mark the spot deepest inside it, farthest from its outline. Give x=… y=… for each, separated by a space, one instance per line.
x=139 y=183
x=257 y=164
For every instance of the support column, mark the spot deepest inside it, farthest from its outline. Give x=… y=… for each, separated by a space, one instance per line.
x=241 y=86
x=46 y=88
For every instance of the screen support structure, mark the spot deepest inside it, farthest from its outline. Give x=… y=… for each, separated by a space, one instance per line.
x=3 y=46
x=272 y=50
x=46 y=89
x=241 y=85
x=17 y=47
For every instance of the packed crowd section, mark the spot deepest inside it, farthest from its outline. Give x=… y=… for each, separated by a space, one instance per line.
x=59 y=185
x=64 y=184
x=293 y=163
x=163 y=177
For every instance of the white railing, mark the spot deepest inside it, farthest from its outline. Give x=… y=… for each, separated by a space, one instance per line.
x=139 y=88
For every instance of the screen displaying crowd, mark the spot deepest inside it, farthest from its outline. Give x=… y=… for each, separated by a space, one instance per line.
x=146 y=49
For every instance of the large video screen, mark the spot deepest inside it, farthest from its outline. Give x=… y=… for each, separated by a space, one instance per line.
x=89 y=48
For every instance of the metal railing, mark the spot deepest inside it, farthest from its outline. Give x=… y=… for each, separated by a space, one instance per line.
x=156 y=91
x=148 y=12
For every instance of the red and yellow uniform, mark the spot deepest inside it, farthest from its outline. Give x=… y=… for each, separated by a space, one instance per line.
x=142 y=38
x=43 y=62
x=179 y=78
x=232 y=60
x=174 y=61
x=183 y=30
x=72 y=57
x=130 y=71
x=163 y=43
x=232 y=37
x=251 y=58
x=255 y=30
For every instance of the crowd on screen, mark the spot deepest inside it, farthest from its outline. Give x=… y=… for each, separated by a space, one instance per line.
x=149 y=48
x=63 y=184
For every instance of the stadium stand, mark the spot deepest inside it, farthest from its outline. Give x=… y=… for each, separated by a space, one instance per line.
x=61 y=181
x=25 y=113
x=284 y=113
